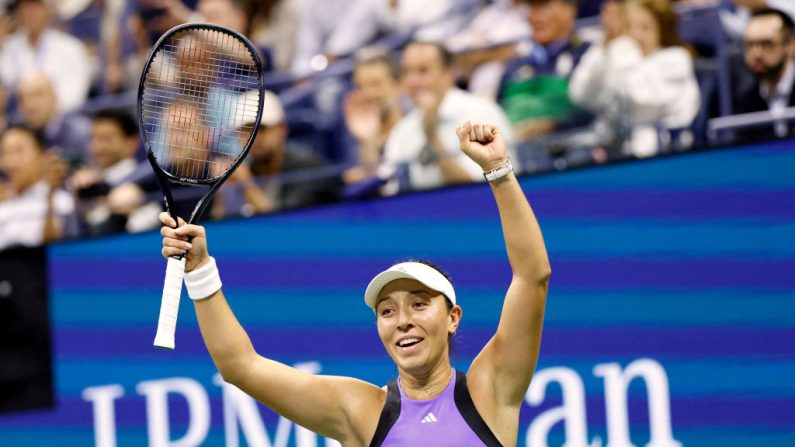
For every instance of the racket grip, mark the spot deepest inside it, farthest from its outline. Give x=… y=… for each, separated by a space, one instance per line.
x=169 y=304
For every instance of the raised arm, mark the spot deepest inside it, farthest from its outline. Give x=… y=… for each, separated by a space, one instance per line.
x=337 y=407
x=506 y=363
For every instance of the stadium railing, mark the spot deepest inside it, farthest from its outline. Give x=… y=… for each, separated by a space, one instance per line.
x=721 y=129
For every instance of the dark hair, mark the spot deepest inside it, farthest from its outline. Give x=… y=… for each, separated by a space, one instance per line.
x=376 y=55
x=124 y=120
x=787 y=23
x=445 y=56
x=243 y=5
x=11 y=7
x=38 y=136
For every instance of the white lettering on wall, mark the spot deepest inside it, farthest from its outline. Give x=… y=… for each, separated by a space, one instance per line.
x=241 y=410
x=242 y=414
x=102 y=399
x=571 y=413
x=616 y=383
x=156 y=393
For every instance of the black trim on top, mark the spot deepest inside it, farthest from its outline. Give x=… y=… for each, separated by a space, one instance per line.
x=389 y=414
x=463 y=401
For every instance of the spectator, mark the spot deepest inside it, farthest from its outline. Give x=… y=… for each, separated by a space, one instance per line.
x=143 y=22
x=37 y=46
x=491 y=39
x=188 y=139
x=64 y=132
x=423 y=144
x=191 y=74
x=6 y=22
x=33 y=210
x=367 y=19
x=187 y=157
x=534 y=88
x=158 y=16
x=372 y=109
x=101 y=183
x=228 y=13
x=769 y=49
x=330 y=29
x=591 y=8
x=640 y=78
x=3 y=107
x=317 y=20
x=112 y=66
x=274 y=26
x=290 y=176
x=735 y=22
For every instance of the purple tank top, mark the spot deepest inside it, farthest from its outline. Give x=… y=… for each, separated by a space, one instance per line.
x=449 y=419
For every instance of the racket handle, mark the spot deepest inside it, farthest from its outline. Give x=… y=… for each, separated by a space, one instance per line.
x=169 y=304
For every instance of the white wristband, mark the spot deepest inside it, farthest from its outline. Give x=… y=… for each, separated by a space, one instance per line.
x=203 y=282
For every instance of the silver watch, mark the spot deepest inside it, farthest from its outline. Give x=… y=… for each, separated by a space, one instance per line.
x=502 y=171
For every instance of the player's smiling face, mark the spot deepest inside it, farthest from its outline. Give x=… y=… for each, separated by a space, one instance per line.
x=413 y=323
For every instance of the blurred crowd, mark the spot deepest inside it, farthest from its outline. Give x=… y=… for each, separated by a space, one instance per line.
x=364 y=95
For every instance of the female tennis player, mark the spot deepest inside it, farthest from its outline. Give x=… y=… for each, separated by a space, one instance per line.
x=429 y=404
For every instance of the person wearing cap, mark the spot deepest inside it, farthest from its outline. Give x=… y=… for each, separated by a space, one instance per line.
x=416 y=311
x=278 y=173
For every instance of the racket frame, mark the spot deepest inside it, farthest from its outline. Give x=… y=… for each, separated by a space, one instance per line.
x=171 y=292
x=165 y=177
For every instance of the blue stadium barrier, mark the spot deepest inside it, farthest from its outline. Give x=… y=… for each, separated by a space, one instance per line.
x=669 y=318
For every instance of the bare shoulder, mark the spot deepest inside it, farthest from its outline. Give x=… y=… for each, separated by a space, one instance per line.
x=358 y=390
x=362 y=403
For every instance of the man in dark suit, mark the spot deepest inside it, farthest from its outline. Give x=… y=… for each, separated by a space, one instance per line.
x=769 y=51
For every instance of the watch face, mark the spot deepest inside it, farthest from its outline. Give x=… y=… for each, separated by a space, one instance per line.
x=499 y=172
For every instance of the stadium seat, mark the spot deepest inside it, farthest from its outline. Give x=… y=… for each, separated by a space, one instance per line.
x=702 y=28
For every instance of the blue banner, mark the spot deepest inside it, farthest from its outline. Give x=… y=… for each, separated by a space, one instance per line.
x=670 y=318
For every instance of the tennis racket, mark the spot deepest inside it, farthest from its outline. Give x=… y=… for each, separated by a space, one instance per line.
x=200 y=83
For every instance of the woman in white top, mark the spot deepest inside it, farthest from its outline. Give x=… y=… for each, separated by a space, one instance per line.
x=640 y=77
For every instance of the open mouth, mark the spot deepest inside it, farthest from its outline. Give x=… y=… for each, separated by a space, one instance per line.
x=408 y=342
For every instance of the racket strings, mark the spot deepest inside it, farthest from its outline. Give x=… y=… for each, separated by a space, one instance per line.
x=197 y=94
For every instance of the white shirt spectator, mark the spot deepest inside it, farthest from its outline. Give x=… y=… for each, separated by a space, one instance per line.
x=22 y=217
x=317 y=20
x=500 y=23
x=622 y=85
x=62 y=57
x=366 y=19
x=280 y=33
x=113 y=176
x=407 y=141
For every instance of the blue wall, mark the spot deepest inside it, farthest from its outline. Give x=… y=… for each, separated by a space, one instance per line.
x=688 y=261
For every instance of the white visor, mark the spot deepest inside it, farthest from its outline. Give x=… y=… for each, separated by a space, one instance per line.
x=427 y=275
